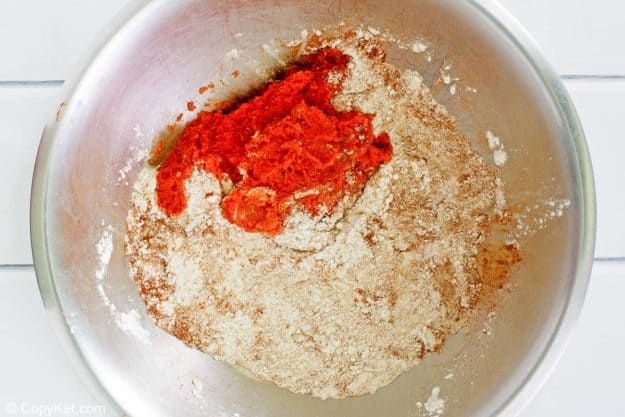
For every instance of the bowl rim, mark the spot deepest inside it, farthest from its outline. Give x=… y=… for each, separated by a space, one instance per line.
x=509 y=26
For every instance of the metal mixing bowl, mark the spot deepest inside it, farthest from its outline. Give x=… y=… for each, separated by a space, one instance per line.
x=143 y=76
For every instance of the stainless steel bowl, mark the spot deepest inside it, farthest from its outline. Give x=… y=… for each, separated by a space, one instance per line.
x=141 y=78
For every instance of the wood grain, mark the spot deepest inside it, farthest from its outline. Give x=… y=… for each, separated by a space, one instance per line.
x=45 y=40
x=26 y=109
x=586 y=382
x=578 y=36
x=35 y=368
x=600 y=105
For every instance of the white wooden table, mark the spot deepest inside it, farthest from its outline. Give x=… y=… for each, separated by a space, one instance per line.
x=42 y=40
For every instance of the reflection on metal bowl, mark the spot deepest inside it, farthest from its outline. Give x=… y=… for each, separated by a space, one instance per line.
x=155 y=63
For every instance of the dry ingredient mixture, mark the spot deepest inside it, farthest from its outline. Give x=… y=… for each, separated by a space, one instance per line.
x=288 y=146
x=325 y=234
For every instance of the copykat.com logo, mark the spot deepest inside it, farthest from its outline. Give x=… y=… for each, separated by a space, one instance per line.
x=53 y=409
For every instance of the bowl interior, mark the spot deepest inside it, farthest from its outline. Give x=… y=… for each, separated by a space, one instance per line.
x=144 y=78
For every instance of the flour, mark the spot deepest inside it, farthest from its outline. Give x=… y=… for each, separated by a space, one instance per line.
x=550 y=209
x=538 y=216
x=275 y=52
x=449 y=80
x=129 y=322
x=234 y=53
x=104 y=249
x=494 y=143
x=341 y=303
x=419 y=46
x=137 y=155
x=488 y=324
x=197 y=387
x=434 y=406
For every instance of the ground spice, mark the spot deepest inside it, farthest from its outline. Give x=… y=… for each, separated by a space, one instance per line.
x=336 y=305
x=205 y=88
x=287 y=146
x=157 y=150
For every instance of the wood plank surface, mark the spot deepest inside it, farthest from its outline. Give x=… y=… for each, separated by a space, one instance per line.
x=44 y=40
x=587 y=382
x=27 y=109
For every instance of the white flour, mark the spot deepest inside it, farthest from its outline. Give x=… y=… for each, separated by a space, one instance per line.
x=435 y=405
x=494 y=143
x=130 y=321
x=336 y=305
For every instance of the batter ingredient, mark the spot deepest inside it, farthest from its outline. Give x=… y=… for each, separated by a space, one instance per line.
x=337 y=301
x=284 y=147
x=434 y=406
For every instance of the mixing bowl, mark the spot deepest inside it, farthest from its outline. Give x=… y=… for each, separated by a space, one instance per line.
x=141 y=78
